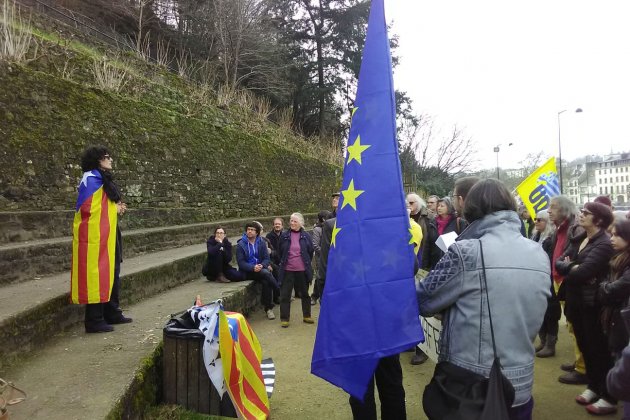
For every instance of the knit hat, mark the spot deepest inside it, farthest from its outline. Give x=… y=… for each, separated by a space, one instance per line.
x=602 y=215
x=603 y=199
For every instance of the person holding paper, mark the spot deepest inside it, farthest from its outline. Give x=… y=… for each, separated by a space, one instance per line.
x=445 y=222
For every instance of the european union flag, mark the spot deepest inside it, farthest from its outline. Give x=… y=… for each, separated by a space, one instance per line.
x=369 y=308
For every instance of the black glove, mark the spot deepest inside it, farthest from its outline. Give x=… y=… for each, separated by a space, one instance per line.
x=563 y=267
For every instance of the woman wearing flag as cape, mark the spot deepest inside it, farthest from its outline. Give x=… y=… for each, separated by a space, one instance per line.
x=97 y=243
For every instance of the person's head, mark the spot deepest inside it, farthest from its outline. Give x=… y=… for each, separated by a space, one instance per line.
x=96 y=157
x=219 y=232
x=620 y=238
x=323 y=215
x=560 y=209
x=296 y=222
x=486 y=197
x=445 y=207
x=461 y=189
x=335 y=200
x=260 y=226
x=278 y=224
x=603 y=199
x=523 y=213
x=595 y=215
x=542 y=224
x=252 y=230
x=432 y=202
x=415 y=203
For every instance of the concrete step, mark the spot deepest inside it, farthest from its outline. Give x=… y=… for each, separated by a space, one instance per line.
x=22 y=261
x=113 y=375
x=31 y=312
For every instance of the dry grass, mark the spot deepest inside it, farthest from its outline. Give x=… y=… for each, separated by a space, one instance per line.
x=163 y=53
x=15 y=34
x=108 y=77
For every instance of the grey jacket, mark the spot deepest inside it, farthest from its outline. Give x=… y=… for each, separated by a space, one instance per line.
x=517 y=272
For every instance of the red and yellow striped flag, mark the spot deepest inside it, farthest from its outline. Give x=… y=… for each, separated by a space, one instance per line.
x=241 y=355
x=93 y=242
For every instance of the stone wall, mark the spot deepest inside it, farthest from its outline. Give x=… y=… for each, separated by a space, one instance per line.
x=211 y=168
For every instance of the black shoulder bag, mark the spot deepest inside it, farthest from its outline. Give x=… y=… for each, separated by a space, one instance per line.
x=456 y=393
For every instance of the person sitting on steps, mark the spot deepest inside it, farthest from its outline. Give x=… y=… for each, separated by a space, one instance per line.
x=217 y=266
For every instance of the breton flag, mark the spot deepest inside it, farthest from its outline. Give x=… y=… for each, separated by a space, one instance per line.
x=93 y=242
x=538 y=188
x=241 y=356
x=369 y=308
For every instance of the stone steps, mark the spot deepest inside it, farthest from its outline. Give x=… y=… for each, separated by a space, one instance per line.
x=118 y=374
x=29 y=260
x=33 y=311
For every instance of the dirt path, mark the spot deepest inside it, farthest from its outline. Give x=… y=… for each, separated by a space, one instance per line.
x=300 y=395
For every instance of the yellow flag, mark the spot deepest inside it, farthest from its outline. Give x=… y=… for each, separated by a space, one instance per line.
x=536 y=191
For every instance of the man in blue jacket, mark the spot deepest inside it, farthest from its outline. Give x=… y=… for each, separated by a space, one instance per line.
x=253 y=260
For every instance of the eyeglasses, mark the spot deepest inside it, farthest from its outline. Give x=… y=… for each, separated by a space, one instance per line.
x=108 y=157
x=585 y=212
x=539 y=220
x=411 y=202
x=220 y=233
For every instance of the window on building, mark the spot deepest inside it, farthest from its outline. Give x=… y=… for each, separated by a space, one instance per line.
x=617 y=179
x=605 y=190
x=601 y=191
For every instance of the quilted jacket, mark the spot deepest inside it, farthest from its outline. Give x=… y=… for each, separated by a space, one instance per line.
x=517 y=272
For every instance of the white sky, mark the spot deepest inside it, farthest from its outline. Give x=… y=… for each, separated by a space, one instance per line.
x=503 y=70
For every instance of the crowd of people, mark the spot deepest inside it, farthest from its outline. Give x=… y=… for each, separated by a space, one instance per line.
x=562 y=260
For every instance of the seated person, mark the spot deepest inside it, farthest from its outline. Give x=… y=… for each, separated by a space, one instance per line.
x=253 y=261
x=218 y=266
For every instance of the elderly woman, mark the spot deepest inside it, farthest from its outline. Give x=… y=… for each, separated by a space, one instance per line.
x=296 y=253
x=548 y=333
x=517 y=288
x=585 y=266
x=98 y=206
x=446 y=221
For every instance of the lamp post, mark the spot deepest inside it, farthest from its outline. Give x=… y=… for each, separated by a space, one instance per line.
x=497 y=150
x=560 y=149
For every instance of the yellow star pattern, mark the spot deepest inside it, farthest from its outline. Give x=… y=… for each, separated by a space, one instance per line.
x=354 y=151
x=334 y=235
x=354 y=110
x=416 y=236
x=350 y=196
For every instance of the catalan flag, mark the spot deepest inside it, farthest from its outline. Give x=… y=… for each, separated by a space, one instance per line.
x=538 y=188
x=93 y=242
x=369 y=308
x=241 y=357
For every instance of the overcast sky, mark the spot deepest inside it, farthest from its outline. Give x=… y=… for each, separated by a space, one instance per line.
x=503 y=70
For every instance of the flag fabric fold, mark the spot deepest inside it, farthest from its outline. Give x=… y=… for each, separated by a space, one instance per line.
x=93 y=242
x=538 y=188
x=369 y=308
x=241 y=357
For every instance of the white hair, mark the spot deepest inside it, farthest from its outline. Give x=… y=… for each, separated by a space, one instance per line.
x=421 y=203
x=299 y=218
x=549 y=227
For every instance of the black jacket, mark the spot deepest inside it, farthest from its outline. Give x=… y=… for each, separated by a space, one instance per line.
x=614 y=294
x=588 y=268
x=457 y=225
x=274 y=240
x=222 y=251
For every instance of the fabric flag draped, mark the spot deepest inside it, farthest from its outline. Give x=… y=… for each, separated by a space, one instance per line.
x=369 y=308
x=93 y=242
x=241 y=356
x=538 y=188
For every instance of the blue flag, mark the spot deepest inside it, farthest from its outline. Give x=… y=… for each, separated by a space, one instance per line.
x=369 y=308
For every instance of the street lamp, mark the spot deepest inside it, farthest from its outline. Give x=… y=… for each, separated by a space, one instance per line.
x=560 y=148
x=497 y=150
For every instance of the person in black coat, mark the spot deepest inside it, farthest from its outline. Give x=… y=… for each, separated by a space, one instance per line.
x=585 y=266
x=615 y=292
x=445 y=221
x=217 y=267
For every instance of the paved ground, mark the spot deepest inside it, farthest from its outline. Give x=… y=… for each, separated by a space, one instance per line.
x=300 y=395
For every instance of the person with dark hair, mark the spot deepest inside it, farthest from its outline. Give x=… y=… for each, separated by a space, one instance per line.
x=274 y=239
x=322 y=216
x=98 y=206
x=445 y=221
x=217 y=267
x=614 y=293
x=460 y=191
x=335 y=203
x=585 y=266
x=517 y=287
x=253 y=261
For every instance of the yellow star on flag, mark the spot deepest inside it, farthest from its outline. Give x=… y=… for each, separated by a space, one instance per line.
x=334 y=234
x=354 y=151
x=350 y=196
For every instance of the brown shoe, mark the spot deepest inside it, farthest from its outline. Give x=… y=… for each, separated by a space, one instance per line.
x=222 y=279
x=568 y=367
x=573 y=378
